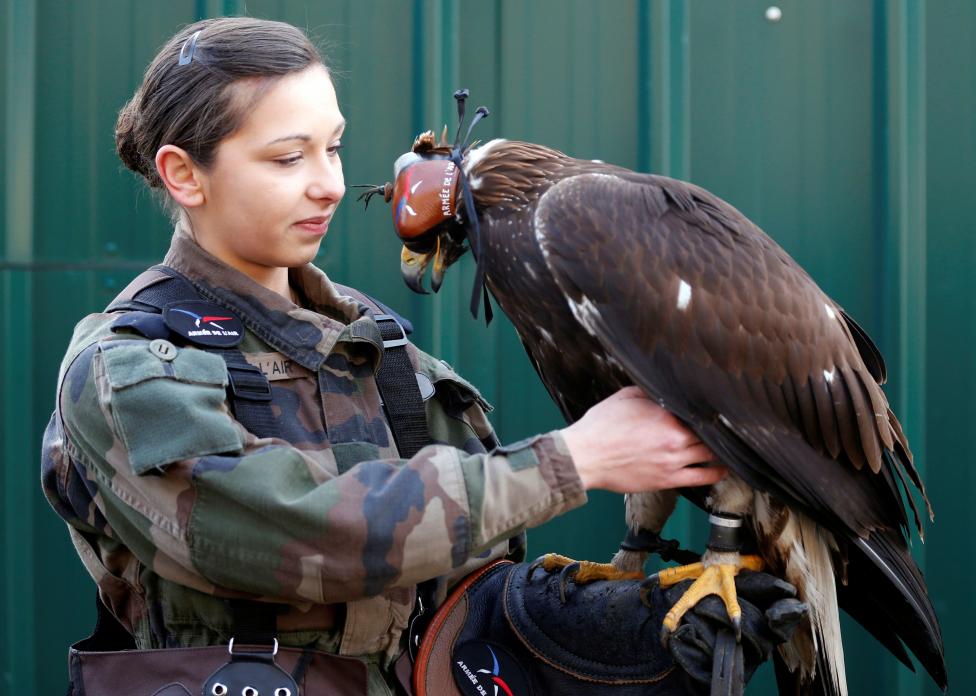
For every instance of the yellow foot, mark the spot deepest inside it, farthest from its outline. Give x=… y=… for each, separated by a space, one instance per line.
x=584 y=571
x=579 y=572
x=712 y=578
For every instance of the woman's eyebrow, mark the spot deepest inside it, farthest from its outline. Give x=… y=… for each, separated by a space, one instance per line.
x=296 y=136
x=304 y=137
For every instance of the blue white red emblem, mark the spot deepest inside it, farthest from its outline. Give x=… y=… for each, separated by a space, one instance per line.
x=483 y=668
x=204 y=323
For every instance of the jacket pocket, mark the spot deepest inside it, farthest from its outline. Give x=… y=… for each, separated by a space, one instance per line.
x=168 y=409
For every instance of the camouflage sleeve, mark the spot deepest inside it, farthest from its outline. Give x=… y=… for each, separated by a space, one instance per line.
x=205 y=503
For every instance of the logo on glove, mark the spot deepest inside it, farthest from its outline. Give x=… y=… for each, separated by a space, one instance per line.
x=479 y=666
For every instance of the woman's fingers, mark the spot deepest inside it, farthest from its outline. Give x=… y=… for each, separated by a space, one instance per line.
x=628 y=443
x=696 y=454
x=630 y=392
x=692 y=476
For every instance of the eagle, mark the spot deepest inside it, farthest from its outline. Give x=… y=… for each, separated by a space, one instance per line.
x=614 y=278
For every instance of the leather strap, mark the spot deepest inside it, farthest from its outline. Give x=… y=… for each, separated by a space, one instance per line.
x=649 y=541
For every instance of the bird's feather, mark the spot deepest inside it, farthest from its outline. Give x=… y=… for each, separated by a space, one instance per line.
x=753 y=318
x=632 y=278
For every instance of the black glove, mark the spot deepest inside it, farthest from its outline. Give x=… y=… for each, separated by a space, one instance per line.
x=704 y=644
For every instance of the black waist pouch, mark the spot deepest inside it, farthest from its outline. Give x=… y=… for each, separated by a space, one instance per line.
x=503 y=631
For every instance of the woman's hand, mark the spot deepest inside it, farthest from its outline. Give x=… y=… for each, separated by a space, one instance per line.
x=628 y=444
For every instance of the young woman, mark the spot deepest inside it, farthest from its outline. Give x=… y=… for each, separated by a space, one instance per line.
x=175 y=506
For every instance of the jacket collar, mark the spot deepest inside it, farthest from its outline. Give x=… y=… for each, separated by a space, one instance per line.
x=306 y=335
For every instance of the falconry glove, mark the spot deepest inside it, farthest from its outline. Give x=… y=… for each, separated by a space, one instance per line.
x=520 y=625
x=704 y=645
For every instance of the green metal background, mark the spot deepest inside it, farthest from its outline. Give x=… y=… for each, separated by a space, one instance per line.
x=845 y=130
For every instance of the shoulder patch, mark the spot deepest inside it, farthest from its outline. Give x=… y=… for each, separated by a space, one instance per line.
x=204 y=323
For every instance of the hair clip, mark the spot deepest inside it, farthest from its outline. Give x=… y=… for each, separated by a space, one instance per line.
x=189 y=46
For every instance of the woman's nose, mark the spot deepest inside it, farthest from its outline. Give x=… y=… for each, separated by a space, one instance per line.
x=328 y=183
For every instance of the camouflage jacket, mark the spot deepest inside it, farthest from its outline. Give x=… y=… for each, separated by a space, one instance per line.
x=173 y=506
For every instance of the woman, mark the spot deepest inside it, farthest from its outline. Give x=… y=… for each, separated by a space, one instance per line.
x=175 y=506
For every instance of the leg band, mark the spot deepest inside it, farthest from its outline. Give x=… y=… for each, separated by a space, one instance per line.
x=724 y=533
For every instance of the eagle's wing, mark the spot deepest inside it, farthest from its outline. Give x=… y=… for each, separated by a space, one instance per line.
x=713 y=319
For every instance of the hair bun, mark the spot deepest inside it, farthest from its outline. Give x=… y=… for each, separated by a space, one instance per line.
x=130 y=141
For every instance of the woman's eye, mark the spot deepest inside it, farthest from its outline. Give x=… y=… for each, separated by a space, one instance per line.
x=334 y=150
x=288 y=161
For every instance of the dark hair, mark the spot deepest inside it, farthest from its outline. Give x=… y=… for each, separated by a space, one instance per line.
x=197 y=104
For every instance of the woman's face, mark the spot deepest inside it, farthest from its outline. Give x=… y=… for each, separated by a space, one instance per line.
x=276 y=181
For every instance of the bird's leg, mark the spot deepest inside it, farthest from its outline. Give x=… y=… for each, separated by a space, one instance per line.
x=646 y=514
x=715 y=574
x=582 y=572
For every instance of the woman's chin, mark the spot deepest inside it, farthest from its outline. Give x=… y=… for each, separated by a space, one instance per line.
x=301 y=256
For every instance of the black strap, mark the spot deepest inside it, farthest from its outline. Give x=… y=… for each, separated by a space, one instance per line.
x=421 y=616
x=397 y=383
x=248 y=390
x=651 y=542
x=249 y=393
x=396 y=379
x=303 y=662
x=255 y=623
x=109 y=633
x=375 y=305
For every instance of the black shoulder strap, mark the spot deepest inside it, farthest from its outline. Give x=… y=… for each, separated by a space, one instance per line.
x=248 y=390
x=375 y=305
x=396 y=378
x=398 y=386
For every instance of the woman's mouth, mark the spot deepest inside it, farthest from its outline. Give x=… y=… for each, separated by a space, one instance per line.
x=314 y=225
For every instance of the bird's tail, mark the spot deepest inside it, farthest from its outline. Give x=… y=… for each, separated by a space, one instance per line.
x=816 y=651
x=890 y=600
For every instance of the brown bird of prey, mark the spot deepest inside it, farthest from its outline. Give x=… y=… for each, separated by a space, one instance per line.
x=614 y=278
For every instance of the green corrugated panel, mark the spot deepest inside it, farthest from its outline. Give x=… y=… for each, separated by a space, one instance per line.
x=19 y=433
x=844 y=129
x=950 y=112
x=905 y=236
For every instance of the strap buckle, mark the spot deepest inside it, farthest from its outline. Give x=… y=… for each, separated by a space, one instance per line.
x=400 y=340
x=274 y=649
x=248 y=382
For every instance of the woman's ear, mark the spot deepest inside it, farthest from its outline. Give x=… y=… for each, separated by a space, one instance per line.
x=181 y=176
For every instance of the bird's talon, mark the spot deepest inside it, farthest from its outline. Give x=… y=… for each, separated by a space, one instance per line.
x=566 y=576
x=645 y=596
x=646 y=587
x=714 y=579
x=534 y=566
